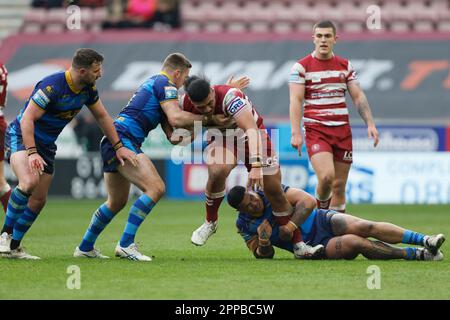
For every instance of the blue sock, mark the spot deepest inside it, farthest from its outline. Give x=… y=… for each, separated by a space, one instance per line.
x=23 y=224
x=16 y=206
x=100 y=219
x=410 y=253
x=140 y=209
x=411 y=237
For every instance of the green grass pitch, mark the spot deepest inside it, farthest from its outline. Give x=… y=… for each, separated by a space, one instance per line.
x=222 y=269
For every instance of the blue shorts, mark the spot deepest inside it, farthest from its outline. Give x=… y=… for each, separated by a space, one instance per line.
x=109 y=158
x=14 y=143
x=321 y=231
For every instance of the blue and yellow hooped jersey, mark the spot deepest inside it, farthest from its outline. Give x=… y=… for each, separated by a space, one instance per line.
x=143 y=112
x=55 y=95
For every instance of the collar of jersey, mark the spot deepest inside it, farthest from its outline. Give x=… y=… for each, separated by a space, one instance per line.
x=166 y=75
x=313 y=54
x=70 y=82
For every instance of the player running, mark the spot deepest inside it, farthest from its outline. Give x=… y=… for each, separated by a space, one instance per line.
x=155 y=99
x=319 y=81
x=343 y=236
x=30 y=141
x=248 y=143
x=5 y=189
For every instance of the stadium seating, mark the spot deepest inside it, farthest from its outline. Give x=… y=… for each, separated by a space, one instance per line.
x=273 y=16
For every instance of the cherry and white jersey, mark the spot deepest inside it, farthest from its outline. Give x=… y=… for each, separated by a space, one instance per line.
x=325 y=86
x=230 y=102
x=3 y=84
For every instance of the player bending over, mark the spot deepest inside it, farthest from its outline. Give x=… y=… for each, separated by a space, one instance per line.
x=344 y=236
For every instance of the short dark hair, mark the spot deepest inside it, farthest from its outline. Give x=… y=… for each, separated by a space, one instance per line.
x=176 y=61
x=198 y=89
x=235 y=196
x=325 y=24
x=84 y=58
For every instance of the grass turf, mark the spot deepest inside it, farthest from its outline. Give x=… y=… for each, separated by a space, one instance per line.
x=222 y=269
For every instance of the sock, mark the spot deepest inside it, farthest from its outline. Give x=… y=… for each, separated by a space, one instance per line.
x=323 y=203
x=21 y=227
x=339 y=208
x=5 y=193
x=100 y=219
x=16 y=206
x=213 y=201
x=410 y=253
x=140 y=209
x=282 y=220
x=411 y=237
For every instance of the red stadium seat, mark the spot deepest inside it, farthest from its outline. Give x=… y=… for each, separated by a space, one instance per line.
x=34 y=20
x=56 y=21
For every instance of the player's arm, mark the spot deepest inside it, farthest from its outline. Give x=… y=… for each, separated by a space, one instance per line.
x=245 y=121
x=303 y=204
x=260 y=244
x=296 y=97
x=32 y=113
x=362 y=105
x=105 y=122
x=178 y=118
x=177 y=135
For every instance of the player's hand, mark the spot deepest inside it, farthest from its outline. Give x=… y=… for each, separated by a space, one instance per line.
x=372 y=132
x=255 y=179
x=36 y=163
x=221 y=120
x=240 y=83
x=285 y=233
x=297 y=142
x=124 y=154
x=264 y=230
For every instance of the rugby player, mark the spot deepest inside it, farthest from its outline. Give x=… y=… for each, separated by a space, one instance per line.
x=344 y=236
x=5 y=189
x=319 y=81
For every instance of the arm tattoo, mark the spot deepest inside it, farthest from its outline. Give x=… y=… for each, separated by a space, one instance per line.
x=364 y=109
x=301 y=213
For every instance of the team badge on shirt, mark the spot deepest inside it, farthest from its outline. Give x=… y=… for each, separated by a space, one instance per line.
x=40 y=98
x=170 y=93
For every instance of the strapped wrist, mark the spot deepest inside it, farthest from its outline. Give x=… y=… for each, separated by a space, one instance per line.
x=118 y=145
x=31 y=150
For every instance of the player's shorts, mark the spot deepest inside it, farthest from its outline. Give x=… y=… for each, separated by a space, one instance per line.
x=14 y=143
x=3 y=126
x=336 y=140
x=320 y=231
x=237 y=144
x=110 y=162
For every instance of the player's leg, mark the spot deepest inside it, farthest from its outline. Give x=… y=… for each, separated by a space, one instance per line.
x=214 y=194
x=323 y=166
x=18 y=201
x=349 y=246
x=36 y=203
x=147 y=179
x=341 y=170
x=384 y=231
x=117 y=188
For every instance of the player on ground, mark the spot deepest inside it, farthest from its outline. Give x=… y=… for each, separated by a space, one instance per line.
x=30 y=141
x=154 y=100
x=344 y=236
x=319 y=81
x=5 y=189
x=249 y=143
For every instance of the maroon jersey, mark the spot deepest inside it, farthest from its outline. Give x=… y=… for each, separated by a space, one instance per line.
x=3 y=84
x=325 y=86
x=229 y=102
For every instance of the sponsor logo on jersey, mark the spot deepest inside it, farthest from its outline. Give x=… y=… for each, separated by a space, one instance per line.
x=40 y=98
x=236 y=106
x=170 y=93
